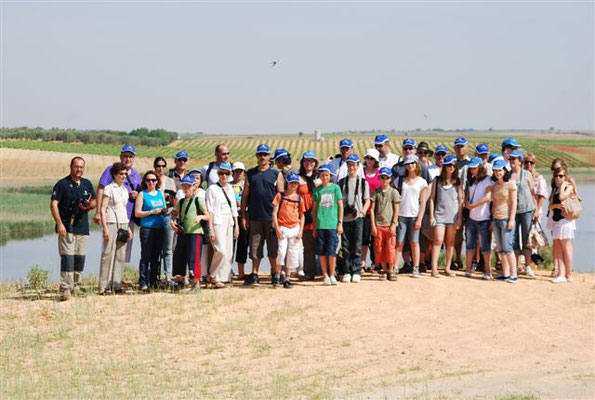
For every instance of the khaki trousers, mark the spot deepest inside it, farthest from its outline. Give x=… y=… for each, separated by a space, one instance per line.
x=111 y=270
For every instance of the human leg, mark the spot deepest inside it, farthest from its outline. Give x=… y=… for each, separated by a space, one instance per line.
x=436 y=246
x=450 y=247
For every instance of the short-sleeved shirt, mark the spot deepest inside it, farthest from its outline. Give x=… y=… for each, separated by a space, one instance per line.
x=68 y=194
x=356 y=199
x=539 y=186
x=262 y=188
x=411 y=197
x=339 y=168
x=476 y=192
x=132 y=182
x=173 y=174
x=117 y=201
x=383 y=205
x=213 y=174
x=190 y=209
x=306 y=195
x=327 y=213
x=502 y=199
x=389 y=161
x=399 y=172
x=289 y=213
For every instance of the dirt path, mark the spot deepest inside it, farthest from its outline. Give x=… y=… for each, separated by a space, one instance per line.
x=426 y=338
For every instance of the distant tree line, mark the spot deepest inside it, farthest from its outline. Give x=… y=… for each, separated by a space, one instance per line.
x=140 y=136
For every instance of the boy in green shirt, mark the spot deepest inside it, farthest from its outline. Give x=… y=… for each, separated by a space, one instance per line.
x=327 y=211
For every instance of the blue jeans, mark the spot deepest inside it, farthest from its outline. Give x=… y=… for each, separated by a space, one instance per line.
x=326 y=242
x=167 y=253
x=351 y=247
x=406 y=230
x=479 y=229
x=151 y=242
x=503 y=236
x=522 y=228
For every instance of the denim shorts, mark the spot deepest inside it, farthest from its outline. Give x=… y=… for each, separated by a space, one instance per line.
x=481 y=230
x=326 y=242
x=503 y=236
x=406 y=230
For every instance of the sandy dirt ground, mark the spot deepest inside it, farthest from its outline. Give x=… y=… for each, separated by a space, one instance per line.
x=20 y=167
x=414 y=339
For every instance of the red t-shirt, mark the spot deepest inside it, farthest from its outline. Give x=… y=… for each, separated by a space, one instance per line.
x=288 y=214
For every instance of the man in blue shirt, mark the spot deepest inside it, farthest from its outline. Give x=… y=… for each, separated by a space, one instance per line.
x=72 y=198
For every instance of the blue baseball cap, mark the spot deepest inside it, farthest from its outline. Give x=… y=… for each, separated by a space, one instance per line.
x=346 y=143
x=280 y=153
x=385 y=171
x=510 y=142
x=409 y=142
x=450 y=159
x=225 y=166
x=516 y=154
x=188 y=179
x=380 y=139
x=263 y=148
x=441 y=149
x=353 y=158
x=309 y=154
x=493 y=156
x=128 y=148
x=482 y=149
x=291 y=177
x=499 y=164
x=461 y=141
x=181 y=154
x=325 y=168
x=475 y=162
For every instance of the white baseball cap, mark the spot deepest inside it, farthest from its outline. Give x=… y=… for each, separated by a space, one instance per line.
x=238 y=165
x=373 y=153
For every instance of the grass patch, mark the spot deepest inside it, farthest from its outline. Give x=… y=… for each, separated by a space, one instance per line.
x=516 y=396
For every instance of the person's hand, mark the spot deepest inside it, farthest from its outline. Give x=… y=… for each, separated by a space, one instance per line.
x=340 y=228
x=129 y=234
x=299 y=235
x=393 y=230
x=469 y=205
x=314 y=233
x=174 y=213
x=279 y=233
x=245 y=223
x=96 y=218
x=432 y=220
x=133 y=195
x=491 y=227
x=374 y=230
x=105 y=235
x=537 y=215
x=417 y=225
x=212 y=235
x=174 y=227
x=61 y=230
x=198 y=218
x=458 y=224
x=510 y=225
x=236 y=232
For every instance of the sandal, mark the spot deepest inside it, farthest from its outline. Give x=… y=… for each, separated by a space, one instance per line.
x=450 y=274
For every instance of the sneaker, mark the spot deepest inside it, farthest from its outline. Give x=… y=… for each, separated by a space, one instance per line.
x=392 y=276
x=435 y=275
x=423 y=268
x=275 y=281
x=346 y=278
x=456 y=265
x=383 y=276
x=529 y=272
x=407 y=268
x=512 y=279
x=415 y=272
x=502 y=278
x=333 y=280
x=301 y=274
x=356 y=278
x=487 y=277
x=569 y=279
x=559 y=279
x=65 y=295
x=473 y=267
x=450 y=274
x=469 y=274
x=287 y=284
x=326 y=281
x=250 y=280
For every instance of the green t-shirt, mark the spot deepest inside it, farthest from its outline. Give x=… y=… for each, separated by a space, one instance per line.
x=383 y=205
x=327 y=214
x=188 y=211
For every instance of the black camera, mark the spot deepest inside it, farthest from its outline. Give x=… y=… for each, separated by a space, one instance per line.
x=85 y=203
x=180 y=227
x=122 y=235
x=349 y=209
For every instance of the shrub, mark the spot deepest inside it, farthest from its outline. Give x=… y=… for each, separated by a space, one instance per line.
x=37 y=278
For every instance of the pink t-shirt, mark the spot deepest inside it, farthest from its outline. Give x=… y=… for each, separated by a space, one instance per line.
x=373 y=182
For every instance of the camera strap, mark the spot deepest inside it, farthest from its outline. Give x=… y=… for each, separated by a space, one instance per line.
x=346 y=187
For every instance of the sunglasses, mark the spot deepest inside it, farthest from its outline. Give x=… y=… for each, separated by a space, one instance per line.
x=182 y=159
x=379 y=146
x=560 y=176
x=440 y=154
x=408 y=148
x=127 y=156
x=225 y=154
x=160 y=166
x=224 y=173
x=123 y=173
x=150 y=180
x=529 y=162
x=384 y=177
x=423 y=153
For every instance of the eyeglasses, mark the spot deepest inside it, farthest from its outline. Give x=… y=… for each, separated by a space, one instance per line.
x=379 y=146
x=160 y=165
x=224 y=173
x=182 y=160
x=529 y=162
x=225 y=154
x=409 y=148
x=127 y=156
x=384 y=177
x=150 y=180
x=422 y=153
x=440 y=155
x=560 y=176
x=123 y=173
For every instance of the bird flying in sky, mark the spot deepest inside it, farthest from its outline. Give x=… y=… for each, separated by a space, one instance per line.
x=273 y=63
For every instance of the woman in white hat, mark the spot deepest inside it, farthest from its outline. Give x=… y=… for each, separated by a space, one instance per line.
x=371 y=168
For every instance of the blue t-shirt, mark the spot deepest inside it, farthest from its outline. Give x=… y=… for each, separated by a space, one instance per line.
x=151 y=202
x=262 y=190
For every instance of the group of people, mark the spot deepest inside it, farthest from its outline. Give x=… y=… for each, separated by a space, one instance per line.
x=318 y=218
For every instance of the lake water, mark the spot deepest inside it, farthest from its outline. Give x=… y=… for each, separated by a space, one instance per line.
x=17 y=257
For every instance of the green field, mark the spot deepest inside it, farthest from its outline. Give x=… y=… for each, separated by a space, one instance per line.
x=579 y=152
x=25 y=213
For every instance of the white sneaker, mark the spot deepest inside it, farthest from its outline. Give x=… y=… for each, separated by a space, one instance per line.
x=529 y=272
x=356 y=278
x=346 y=278
x=559 y=279
x=326 y=281
x=487 y=277
x=333 y=280
x=569 y=279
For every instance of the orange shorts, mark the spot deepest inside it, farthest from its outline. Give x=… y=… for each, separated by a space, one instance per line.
x=384 y=246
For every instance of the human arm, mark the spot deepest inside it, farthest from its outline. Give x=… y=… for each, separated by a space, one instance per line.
x=366 y=204
x=56 y=216
x=422 y=209
x=243 y=215
x=373 y=219
x=276 y=221
x=395 y=220
x=340 y=224
x=99 y=196
x=280 y=183
x=512 y=208
x=431 y=202
x=102 y=216
x=460 y=197
x=314 y=212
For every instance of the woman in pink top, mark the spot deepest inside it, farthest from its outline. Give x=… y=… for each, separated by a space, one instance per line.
x=371 y=169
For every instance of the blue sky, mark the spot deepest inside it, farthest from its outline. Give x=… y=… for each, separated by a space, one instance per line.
x=207 y=66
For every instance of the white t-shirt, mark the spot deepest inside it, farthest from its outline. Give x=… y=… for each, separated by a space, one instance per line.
x=477 y=191
x=411 y=197
x=116 y=206
x=213 y=177
x=339 y=167
x=433 y=171
x=388 y=161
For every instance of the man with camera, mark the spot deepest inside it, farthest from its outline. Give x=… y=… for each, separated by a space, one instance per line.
x=131 y=183
x=356 y=200
x=72 y=198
